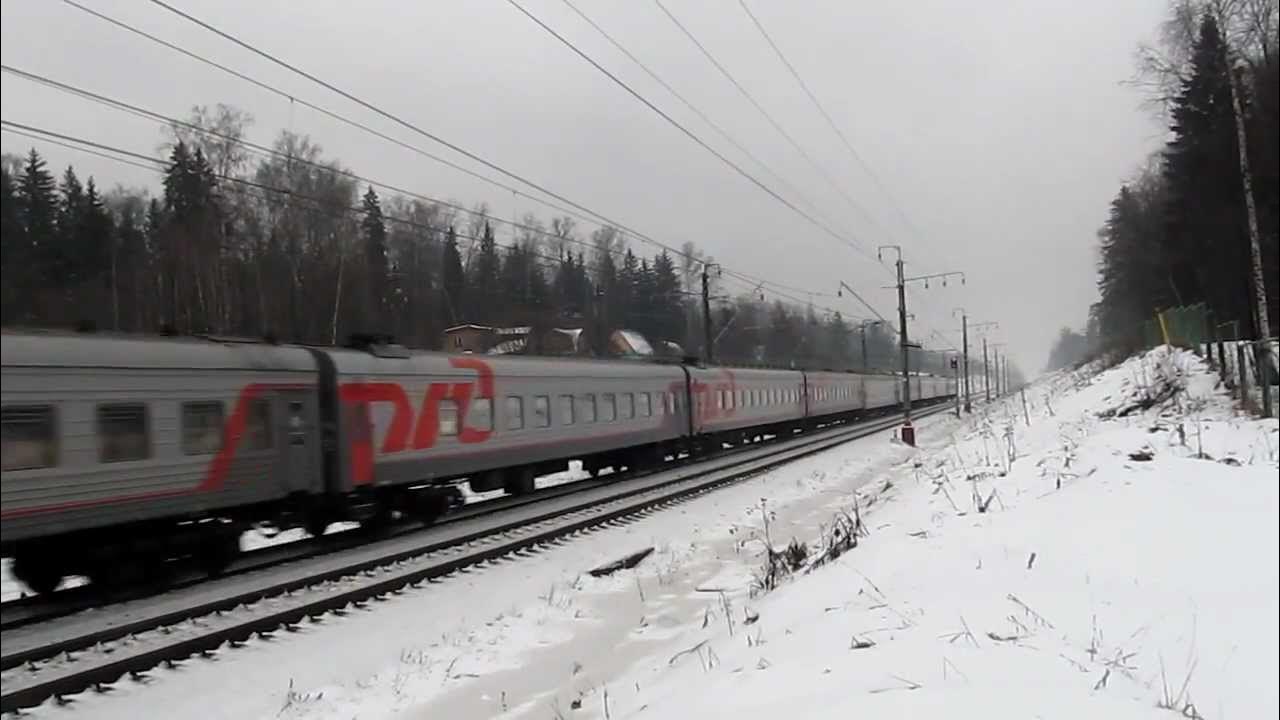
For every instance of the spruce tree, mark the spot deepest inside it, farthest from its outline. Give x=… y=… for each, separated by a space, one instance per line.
x=377 y=278
x=452 y=279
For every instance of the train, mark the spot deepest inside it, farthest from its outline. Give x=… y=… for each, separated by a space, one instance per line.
x=122 y=454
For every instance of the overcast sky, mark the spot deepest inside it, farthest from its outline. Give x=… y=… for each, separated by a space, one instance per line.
x=1001 y=128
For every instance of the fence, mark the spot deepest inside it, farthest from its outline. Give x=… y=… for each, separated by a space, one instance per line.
x=1247 y=367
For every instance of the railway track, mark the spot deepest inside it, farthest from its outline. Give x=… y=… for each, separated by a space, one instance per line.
x=93 y=650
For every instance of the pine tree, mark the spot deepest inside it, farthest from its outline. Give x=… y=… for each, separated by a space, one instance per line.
x=483 y=289
x=452 y=278
x=15 y=251
x=376 y=282
x=666 y=298
x=1206 y=235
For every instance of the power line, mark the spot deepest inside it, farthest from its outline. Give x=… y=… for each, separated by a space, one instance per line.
x=271 y=152
x=598 y=216
x=589 y=217
x=687 y=132
x=693 y=108
x=776 y=126
x=325 y=206
x=159 y=164
x=893 y=202
x=395 y=118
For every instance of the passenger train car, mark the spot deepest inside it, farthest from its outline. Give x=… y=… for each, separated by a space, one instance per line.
x=121 y=454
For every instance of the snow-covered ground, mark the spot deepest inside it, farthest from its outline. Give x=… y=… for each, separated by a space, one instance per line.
x=1126 y=560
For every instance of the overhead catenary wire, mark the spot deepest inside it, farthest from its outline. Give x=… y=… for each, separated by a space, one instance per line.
x=835 y=128
x=156 y=164
x=767 y=116
x=716 y=127
x=264 y=151
x=322 y=205
x=586 y=215
x=687 y=132
x=600 y=218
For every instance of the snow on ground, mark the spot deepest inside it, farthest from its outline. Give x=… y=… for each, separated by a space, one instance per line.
x=511 y=633
x=1125 y=566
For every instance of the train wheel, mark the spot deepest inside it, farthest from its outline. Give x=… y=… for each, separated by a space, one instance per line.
x=41 y=577
x=316 y=525
x=519 y=481
x=218 y=550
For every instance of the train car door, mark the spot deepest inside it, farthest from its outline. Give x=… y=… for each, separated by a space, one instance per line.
x=297 y=428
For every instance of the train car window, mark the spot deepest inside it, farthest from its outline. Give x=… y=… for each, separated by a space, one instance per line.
x=541 y=411
x=626 y=406
x=201 y=428
x=29 y=439
x=566 y=409
x=608 y=407
x=123 y=434
x=257 y=427
x=588 y=408
x=447 y=414
x=515 y=412
x=720 y=400
x=480 y=414
x=644 y=405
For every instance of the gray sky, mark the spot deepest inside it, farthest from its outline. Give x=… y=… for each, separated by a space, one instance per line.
x=1000 y=127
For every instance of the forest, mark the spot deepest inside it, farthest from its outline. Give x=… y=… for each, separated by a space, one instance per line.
x=283 y=242
x=1178 y=233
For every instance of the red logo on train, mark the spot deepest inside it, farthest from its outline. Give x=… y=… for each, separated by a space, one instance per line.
x=403 y=434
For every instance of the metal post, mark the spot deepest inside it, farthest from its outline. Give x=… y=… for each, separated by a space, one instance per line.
x=995 y=372
x=957 y=391
x=906 y=366
x=964 y=324
x=864 y=347
x=706 y=312
x=986 y=376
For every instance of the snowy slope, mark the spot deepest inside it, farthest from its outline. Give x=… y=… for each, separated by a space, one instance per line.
x=1122 y=565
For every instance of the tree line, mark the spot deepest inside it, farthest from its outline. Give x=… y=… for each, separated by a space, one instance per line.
x=291 y=245
x=1178 y=233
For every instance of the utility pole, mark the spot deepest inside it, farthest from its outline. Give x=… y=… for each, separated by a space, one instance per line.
x=986 y=380
x=986 y=374
x=862 y=329
x=908 y=432
x=955 y=365
x=862 y=325
x=995 y=369
x=964 y=330
x=706 y=312
x=995 y=365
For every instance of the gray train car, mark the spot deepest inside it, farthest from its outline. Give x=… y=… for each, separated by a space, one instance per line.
x=731 y=400
x=107 y=438
x=500 y=421
x=835 y=393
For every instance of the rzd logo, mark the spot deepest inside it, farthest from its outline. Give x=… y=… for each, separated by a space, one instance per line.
x=403 y=433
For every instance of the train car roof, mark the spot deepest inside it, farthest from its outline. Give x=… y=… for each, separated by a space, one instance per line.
x=358 y=362
x=748 y=374
x=89 y=350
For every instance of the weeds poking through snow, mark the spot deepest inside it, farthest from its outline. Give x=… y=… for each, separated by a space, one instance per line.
x=1180 y=703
